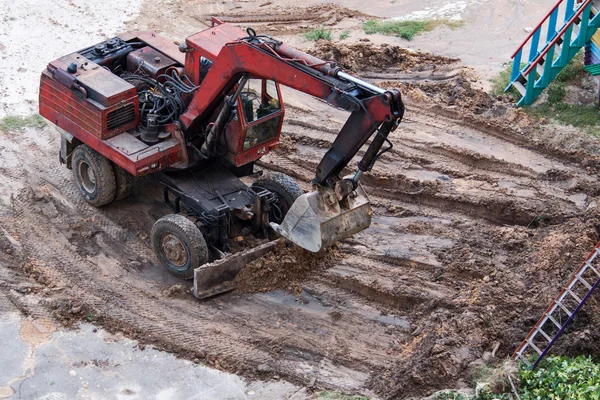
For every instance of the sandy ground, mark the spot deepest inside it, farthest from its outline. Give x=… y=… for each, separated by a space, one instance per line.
x=34 y=32
x=479 y=217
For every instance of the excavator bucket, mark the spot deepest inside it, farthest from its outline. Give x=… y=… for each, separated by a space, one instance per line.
x=317 y=219
x=219 y=276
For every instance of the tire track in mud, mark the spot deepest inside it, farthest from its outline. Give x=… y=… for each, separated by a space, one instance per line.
x=395 y=185
x=181 y=326
x=62 y=266
x=327 y=14
x=352 y=319
x=123 y=302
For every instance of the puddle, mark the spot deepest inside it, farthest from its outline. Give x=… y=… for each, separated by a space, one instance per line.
x=6 y=392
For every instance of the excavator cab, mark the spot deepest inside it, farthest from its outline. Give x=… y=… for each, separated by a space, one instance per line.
x=256 y=124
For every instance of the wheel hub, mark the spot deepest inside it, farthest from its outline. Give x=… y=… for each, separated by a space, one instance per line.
x=88 y=178
x=174 y=250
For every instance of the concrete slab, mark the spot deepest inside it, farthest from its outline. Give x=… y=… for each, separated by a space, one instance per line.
x=41 y=363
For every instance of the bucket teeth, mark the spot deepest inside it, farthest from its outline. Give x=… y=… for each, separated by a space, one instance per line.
x=317 y=219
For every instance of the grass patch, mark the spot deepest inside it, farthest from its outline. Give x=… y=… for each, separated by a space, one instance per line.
x=338 y=396
x=556 y=92
x=555 y=108
x=569 y=114
x=407 y=29
x=573 y=70
x=16 y=122
x=501 y=81
x=556 y=378
x=318 y=33
x=344 y=35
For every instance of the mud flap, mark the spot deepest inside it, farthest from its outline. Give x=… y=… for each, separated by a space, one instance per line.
x=219 y=276
x=317 y=219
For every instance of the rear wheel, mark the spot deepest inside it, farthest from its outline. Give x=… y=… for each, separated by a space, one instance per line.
x=285 y=189
x=124 y=181
x=179 y=245
x=94 y=176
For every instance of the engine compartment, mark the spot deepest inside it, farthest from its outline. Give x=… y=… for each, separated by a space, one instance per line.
x=162 y=88
x=114 y=71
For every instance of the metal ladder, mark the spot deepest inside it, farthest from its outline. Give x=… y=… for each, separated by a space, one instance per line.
x=561 y=312
x=580 y=20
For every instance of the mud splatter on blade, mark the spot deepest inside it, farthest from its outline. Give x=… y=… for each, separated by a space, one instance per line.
x=219 y=276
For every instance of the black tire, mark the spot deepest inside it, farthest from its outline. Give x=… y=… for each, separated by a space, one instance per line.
x=124 y=181
x=284 y=187
x=179 y=245
x=94 y=176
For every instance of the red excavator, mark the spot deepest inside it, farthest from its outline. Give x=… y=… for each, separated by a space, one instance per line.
x=197 y=117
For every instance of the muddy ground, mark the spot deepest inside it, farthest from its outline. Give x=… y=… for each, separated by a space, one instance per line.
x=479 y=216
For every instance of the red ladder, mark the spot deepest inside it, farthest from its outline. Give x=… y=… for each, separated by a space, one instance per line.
x=561 y=312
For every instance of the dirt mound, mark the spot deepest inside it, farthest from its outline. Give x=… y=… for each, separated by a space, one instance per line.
x=495 y=303
x=286 y=268
x=385 y=58
x=456 y=91
x=278 y=20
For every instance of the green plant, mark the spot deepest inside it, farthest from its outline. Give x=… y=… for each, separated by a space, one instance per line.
x=450 y=395
x=573 y=70
x=344 y=35
x=15 y=122
x=493 y=396
x=90 y=317
x=556 y=92
x=556 y=378
x=338 y=396
x=562 y=378
x=406 y=29
x=318 y=33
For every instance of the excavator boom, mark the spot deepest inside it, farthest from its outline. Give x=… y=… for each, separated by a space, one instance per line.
x=337 y=207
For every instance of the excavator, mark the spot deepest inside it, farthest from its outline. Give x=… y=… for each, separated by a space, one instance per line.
x=196 y=117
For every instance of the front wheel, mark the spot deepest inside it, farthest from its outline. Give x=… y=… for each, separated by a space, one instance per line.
x=179 y=245
x=285 y=189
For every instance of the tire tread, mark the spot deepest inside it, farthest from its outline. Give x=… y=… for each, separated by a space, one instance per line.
x=105 y=176
x=197 y=245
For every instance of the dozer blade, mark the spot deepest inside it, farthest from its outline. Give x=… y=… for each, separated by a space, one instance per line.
x=219 y=276
x=317 y=219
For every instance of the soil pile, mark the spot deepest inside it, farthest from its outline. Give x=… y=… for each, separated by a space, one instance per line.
x=495 y=304
x=456 y=90
x=385 y=58
x=285 y=268
x=280 y=20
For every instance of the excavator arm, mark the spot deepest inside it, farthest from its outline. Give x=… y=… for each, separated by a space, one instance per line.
x=338 y=207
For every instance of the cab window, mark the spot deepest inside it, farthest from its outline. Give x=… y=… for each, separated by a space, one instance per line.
x=260 y=100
